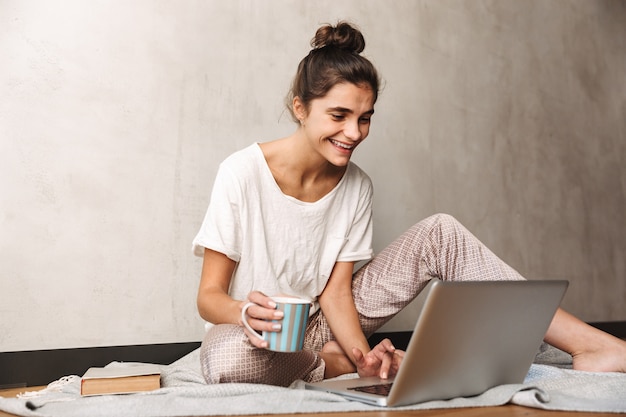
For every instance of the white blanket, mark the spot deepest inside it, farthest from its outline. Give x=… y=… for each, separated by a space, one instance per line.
x=184 y=393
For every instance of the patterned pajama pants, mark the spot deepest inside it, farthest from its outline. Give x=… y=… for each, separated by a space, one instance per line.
x=437 y=247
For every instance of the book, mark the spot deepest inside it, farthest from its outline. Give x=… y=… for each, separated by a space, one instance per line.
x=120 y=379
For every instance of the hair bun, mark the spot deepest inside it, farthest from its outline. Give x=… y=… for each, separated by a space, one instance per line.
x=343 y=36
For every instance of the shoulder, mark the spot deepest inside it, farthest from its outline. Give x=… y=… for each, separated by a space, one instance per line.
x=356 y=177
x=243 y=163
x=240 y=173
x=355 y=171
x=248 y=154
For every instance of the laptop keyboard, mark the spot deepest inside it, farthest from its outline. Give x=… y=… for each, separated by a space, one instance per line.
x=377 y=389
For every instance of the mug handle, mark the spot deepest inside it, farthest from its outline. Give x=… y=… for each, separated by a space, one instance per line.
x=245 y=322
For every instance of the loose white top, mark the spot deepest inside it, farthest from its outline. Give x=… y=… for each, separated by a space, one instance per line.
x=283 y=245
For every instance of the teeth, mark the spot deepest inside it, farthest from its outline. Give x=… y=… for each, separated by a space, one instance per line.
x=341 y=145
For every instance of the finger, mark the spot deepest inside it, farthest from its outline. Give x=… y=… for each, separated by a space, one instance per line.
x=359 y=357
x=264 y=325
x=383 y=347
x=255 y=341
x=261 y=299
x=264 y=313
x=389 y=347
x=385 y=365
x=378 y=351
x=395 y=362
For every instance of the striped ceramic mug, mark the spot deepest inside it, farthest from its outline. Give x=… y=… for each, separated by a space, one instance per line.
x=290 y=338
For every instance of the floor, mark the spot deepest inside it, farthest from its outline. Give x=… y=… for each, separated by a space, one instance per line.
x=502 y=411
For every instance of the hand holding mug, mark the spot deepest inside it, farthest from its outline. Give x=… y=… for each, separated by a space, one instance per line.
x=260 y=314
x=282 y=321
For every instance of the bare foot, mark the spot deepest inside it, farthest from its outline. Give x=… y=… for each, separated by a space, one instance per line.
x=591 y=349
x=609 y=356
x=337 y=362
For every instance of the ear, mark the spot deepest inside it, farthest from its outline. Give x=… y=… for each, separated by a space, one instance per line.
x=299 y=109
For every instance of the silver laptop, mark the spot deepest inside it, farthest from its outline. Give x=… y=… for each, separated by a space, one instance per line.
x=469 y=337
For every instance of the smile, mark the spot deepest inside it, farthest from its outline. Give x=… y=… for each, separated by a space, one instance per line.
x=341 y=145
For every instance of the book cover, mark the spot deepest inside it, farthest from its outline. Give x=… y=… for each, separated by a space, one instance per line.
x=121 y=379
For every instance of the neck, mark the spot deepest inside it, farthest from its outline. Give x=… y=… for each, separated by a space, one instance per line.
x=299 y=170
x=305 y=162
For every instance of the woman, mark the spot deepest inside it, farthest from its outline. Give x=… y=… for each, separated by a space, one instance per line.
x=294 y=215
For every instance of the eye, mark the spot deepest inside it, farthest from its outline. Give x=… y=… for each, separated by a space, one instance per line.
x=365 y=120
x=337 y=116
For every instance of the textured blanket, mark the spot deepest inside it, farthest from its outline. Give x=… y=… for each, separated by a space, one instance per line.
x=548 y=386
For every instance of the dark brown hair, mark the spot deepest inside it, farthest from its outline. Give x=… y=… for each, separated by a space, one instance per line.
x=335 y=58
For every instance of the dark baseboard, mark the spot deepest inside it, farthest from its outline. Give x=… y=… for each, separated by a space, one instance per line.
x=40 y=367
x=400 y=340
x=616 y=328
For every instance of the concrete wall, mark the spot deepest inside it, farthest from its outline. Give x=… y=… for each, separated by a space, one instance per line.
x=114 y=115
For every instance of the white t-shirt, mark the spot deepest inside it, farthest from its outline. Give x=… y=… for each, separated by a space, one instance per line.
x=283 y=245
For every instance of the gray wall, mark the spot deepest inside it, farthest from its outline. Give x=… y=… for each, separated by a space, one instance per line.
x=114 y=115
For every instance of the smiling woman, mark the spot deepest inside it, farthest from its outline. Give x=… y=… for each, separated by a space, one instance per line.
x=293 y=216
x=310 y=163
x=333 y=126
x=315 y=223
x=116 y=115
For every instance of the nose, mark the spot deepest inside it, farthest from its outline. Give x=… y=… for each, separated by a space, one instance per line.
x=352 y=130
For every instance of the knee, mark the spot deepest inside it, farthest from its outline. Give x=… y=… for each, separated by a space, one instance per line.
x=444 y=218
x=442 y=221
x=445 y=229
x=222 y=352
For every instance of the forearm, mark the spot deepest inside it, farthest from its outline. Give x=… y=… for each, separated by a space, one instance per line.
x=344 y=323
x=214 y=303
x=217 y=307
x=338 y=306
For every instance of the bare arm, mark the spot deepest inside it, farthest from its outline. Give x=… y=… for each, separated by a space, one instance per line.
x=338 y=306
x=217 y=307
x=214 y=303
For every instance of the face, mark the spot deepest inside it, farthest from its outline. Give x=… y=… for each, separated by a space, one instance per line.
x=338 y=122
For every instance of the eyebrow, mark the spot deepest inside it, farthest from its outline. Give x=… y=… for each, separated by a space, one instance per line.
x=346 y=110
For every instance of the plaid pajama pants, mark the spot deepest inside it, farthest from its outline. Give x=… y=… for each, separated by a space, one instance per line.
x=437 y=247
